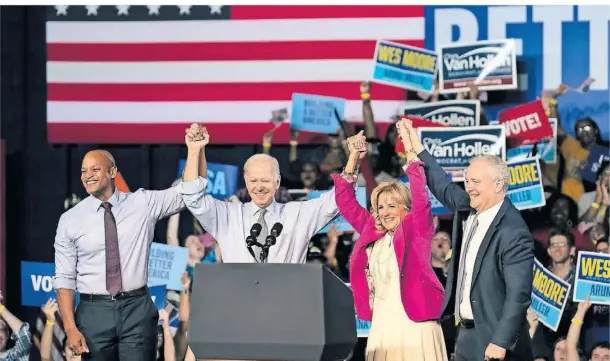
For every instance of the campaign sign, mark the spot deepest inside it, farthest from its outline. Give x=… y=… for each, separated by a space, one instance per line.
x=454 y=147
x=491 y=65
x=340 y=222
x=546 y=149
x=37 y=283
x=527 y=123
x=525 y=189
x=404 y=66
x=592 y=278
x=452 y=113
x=166 y=264
x=222 y=179
x=438 y=208
x=316 y=113
x=597 y=155
x=549 y=296
x=157 y=293
x=362 y=327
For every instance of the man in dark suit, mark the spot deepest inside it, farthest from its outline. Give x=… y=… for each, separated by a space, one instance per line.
x=490 y=274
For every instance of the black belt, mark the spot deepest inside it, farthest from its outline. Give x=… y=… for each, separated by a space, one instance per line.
x=119 y=296
x=467 y=323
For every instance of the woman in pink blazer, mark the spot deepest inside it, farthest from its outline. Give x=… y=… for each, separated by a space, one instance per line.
x=391 y=275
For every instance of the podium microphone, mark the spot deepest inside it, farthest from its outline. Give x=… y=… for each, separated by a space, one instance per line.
x=251 y=239
x=270 y=240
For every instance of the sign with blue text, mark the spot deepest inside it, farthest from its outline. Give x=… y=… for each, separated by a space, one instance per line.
x=404 y=66
x=491 y=65
x=592 y=278
x=525 y=189
x=452 y=113
x=316 y=113
x=166 y=264
x=454 y=147
x=549 y=296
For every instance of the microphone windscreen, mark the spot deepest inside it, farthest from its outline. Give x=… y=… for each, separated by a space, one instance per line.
x=256 y=229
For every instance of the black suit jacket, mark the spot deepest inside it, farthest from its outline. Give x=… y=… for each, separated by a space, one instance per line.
x=503 y=272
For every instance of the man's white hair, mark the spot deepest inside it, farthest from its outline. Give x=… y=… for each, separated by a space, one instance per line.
x=264 y=158
x=499 y=169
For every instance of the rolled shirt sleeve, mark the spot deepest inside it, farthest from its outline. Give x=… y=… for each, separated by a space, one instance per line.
x=65 y=258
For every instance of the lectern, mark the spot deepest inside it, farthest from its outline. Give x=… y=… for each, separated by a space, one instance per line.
x=280 y=312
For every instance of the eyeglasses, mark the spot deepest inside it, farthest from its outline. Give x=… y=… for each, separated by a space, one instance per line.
x=558 y=244
x=583 y=129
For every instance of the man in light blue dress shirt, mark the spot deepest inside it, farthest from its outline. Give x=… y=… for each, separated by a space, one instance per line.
x=101 y=251
x=230 y=222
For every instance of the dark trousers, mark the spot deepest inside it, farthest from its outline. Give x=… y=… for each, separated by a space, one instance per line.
x=119 y=330
x=470 y=348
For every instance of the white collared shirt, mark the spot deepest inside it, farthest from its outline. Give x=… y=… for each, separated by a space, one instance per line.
x=230 y=222
x=485 y=218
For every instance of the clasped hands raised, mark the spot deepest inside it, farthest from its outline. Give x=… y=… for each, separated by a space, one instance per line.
x=196 y=136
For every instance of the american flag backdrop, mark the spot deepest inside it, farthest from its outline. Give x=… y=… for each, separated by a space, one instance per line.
x=141 y=74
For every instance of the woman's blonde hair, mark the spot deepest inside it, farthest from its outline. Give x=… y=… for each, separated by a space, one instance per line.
x=398 y=190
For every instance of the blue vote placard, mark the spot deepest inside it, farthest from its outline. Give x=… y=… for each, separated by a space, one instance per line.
x=316 y=113
x=592 y=278
x=222 y=179
x=404 y=66
x=37 y=283
x=549 y=296
x=526 y=189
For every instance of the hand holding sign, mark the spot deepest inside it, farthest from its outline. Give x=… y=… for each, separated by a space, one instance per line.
x=357 y=144
x=196 y=137
x=532 y=318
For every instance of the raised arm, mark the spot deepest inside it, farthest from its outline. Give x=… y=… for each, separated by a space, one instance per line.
x=448 y=193
x=345 y=193
x=211 y=213
x=421 y=208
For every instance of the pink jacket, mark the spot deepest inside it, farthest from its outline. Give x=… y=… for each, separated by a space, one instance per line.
x=421 y=292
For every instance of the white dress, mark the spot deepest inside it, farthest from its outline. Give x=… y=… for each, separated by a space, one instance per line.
x=393 y=336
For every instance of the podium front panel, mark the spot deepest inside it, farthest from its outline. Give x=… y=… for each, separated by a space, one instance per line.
x=270 y=312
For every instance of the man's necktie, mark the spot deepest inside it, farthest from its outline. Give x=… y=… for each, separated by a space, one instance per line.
x=462 y=268
x=264 y=231
x=113 y=259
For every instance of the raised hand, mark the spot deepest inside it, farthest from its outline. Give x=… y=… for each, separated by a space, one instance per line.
x=186 y=280
x=196 y=136
x=365 y=87
x=356 y=144
x=164 y=317
x=49 y=309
